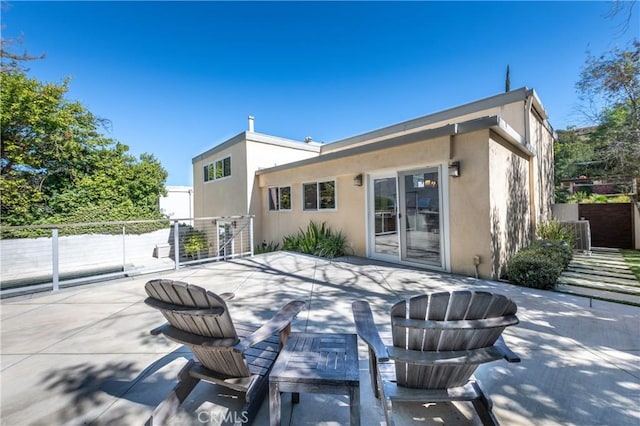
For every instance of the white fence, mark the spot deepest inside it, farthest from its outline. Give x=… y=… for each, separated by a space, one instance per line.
x=72 y=254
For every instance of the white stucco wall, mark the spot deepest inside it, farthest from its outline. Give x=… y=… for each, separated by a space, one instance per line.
x=178 y=203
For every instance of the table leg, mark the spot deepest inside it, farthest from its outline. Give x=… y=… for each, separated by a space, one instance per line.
x=354 y=405
x=274 y=404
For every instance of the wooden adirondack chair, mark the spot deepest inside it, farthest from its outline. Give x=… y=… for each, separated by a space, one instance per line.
x=238 y=356
x=438 y=342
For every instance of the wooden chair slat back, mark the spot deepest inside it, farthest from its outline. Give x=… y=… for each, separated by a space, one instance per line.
x=226 y=362
x=445 y=306
x=184 y=295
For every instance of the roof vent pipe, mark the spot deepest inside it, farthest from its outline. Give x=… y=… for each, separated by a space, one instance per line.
x=251 y=123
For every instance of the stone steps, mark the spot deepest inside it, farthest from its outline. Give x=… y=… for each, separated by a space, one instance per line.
x=600 y=272
x=609 y=296
x=602 y=275
x=585 y=278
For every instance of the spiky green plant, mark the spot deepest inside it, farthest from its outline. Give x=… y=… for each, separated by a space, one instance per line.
x=332 y=246
x=316 y=239
x=553 y=230
x=265 y=247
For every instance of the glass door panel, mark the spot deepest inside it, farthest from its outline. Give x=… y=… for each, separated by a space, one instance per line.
x=384 y=227
x=421 y=216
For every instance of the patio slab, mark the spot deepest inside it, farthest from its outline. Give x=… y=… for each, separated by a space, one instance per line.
x=83 y=355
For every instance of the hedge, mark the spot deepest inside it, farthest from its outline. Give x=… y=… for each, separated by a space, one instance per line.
x=540 y=264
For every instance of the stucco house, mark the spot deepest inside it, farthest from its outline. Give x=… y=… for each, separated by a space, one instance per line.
x=458 y=191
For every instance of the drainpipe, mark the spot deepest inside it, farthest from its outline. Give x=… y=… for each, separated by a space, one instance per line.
x=532 y=160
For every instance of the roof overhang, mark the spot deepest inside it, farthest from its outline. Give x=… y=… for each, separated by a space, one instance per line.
x=260 y=138
x=494 y=123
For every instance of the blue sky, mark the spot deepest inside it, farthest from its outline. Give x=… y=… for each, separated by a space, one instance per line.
x=177 y=78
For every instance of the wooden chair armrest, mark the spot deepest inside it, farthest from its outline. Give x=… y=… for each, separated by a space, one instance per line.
x=187 y=338
x=276 y=324
x=366 y=329
x=507 y=353
x=227 y=296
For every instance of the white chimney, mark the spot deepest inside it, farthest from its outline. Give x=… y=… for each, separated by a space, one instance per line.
x=251 y=123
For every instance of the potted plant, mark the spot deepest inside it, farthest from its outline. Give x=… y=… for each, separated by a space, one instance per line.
x=196 y=245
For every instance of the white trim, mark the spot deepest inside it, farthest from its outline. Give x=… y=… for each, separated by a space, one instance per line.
x=444 y=216
x=317 y=183
x=213 y=162
x=370 y=216
x=279 y=187
x=446 y=219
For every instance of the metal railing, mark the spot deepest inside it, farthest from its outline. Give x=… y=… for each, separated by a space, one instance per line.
x=49 y=257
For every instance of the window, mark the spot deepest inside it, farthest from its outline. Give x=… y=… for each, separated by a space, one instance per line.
x=280 y=198
x=218 y=169
x=319 y=195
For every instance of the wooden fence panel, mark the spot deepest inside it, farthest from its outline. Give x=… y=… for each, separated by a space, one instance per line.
x=611 y=224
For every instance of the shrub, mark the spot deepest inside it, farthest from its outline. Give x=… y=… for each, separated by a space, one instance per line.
x=578 y=197
x=265 y=247
x=561 y=195
x=595 y=199
x=194 y=241
x=619 y=199
x=553 y=230
x=559 y=251
x=318 y=240
x=332 y=246
x=540 y=264
x=533 y=268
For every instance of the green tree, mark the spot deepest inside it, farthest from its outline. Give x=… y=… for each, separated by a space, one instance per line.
x=611 y=84
x=56 y=163
x=572 y=153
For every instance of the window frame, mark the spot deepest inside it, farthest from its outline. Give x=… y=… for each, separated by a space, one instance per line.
x=278 y=201
x=216 y=169
x=318 y=195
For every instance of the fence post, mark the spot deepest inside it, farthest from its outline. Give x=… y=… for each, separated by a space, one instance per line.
x=55 y=259
x=251 y=234
x=176 y=243
x=124 y=247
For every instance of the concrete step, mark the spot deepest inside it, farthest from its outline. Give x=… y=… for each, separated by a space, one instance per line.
x=598 y=264
x=627 y=299
x=584 y=283
x=601 y=272
x=598 y=255
x=594 y=277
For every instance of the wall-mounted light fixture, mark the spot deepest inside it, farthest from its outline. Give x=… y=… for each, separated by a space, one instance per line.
x=454 y=169
x=357 y=180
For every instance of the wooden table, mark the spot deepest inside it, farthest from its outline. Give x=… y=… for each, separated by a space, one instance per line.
x=316 y=363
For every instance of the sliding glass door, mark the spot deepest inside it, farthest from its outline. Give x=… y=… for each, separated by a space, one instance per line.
x=383 y=218
x=421 y=216
x=405 y=217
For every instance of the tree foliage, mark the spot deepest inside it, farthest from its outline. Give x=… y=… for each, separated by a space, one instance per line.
x=611 y=83
x=57 y=166
x=574 y=154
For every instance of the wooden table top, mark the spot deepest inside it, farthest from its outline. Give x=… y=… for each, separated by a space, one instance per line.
x=318 y=358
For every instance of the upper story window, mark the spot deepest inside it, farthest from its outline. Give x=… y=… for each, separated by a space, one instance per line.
x=279 y=198
x=319 y=195
x=218 y=169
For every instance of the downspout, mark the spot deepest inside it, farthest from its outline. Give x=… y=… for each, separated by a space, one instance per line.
x=532 y=159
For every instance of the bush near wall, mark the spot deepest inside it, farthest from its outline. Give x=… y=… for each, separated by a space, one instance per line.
x=540 y=264
x=317 y=239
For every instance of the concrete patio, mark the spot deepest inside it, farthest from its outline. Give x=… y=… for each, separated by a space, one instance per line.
x=84 y=355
